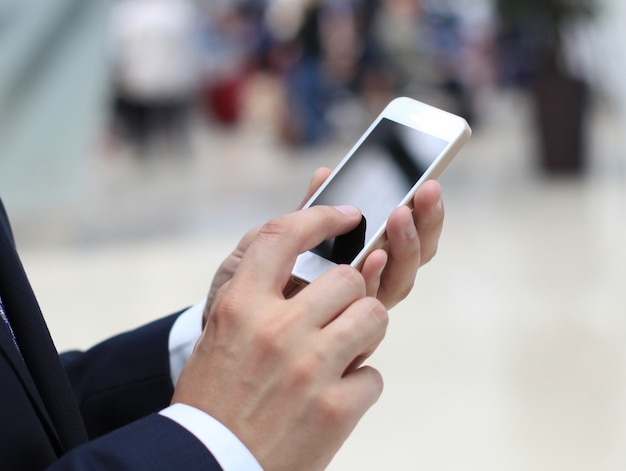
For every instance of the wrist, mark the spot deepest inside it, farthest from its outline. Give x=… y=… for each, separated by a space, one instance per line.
x=226 y=448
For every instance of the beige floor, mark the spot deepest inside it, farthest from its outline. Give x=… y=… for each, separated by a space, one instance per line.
x=510 y=354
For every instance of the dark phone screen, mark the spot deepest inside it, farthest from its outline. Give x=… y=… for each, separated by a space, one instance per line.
x=375 y=179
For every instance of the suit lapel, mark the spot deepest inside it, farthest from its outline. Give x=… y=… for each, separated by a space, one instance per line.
x=38 y=366
x=13 y=357
x=11 y=353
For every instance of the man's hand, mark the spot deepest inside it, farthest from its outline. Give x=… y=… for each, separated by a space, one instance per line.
x=283 y=374
x=412 y=239
x=389 y=273
x=228 y=267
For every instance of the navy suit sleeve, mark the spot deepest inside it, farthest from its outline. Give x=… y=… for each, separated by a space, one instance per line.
x=153 y=443
x=122 y=379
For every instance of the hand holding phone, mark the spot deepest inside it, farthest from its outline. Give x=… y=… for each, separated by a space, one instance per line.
x=407 y=144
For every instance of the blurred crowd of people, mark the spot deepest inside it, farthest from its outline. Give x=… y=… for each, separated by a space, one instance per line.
x=175 y=57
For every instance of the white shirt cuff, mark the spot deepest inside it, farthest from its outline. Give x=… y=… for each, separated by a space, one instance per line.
x=183 y=337
x=226 y=448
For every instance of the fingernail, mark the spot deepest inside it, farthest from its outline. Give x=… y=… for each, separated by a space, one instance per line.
x=380 y=271
x=439 y=206
x=348 y=210
x=411 y=230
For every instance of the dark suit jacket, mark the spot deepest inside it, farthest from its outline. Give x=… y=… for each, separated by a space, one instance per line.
x=88 y=410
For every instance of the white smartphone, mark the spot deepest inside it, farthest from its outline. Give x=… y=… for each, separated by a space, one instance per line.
x=407 y=144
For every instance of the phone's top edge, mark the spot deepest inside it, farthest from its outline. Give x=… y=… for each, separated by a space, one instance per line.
x=406 y=100
x=425 y=117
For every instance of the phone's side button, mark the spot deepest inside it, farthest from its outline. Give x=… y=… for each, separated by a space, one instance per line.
x=293 y=287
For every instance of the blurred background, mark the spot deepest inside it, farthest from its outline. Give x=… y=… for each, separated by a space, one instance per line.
x=139 y=139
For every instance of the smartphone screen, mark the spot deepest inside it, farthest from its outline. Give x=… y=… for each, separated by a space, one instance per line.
x=377 y=177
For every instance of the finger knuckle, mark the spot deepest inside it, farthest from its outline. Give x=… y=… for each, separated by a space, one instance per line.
x=333 y=406
x=276 y=227
x=377 y=382
x=351 y=278
x=303 y=372
x=226 y=306
x=378 y=313
x=429 y=255
x=406 y=289
x=269 y=337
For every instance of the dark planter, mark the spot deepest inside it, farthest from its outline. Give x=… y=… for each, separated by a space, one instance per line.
x=561 y=103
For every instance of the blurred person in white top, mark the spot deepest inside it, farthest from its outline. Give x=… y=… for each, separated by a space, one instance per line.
x=155 y=67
